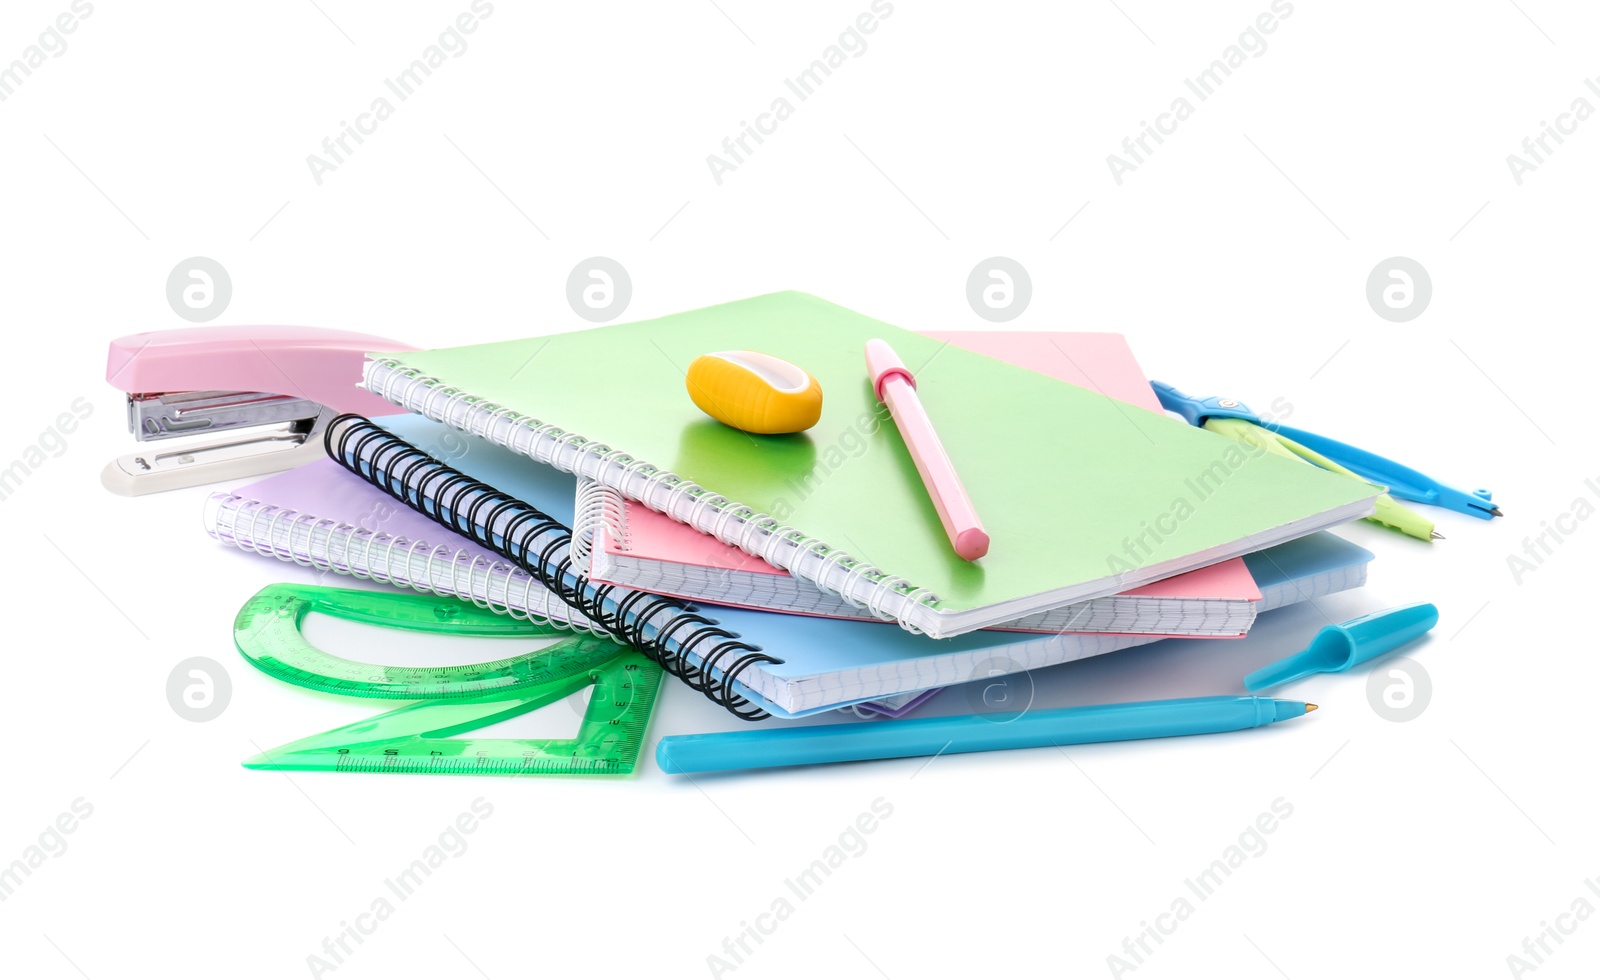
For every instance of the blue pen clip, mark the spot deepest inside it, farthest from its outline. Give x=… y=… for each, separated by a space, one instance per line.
x=1339 y=647
x=1401 y=481
x=1195 y=411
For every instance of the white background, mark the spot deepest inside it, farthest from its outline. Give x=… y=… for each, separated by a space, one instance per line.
x=1235 y=259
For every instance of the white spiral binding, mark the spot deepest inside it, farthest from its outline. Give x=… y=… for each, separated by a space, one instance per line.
x=332 y=546
x=866 y=586
x=597 y=508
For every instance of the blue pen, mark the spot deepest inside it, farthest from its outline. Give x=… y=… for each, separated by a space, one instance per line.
x=1401 y=481
x=766 y=748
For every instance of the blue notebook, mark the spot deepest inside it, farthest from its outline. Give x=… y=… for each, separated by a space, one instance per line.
x=832 y=661
x=826 y=663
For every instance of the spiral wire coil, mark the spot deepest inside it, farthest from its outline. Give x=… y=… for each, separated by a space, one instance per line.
x=685 y=642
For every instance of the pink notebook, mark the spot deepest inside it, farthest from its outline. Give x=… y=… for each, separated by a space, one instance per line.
x=635 y=546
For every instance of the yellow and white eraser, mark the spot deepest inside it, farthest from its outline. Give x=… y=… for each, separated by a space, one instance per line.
x=755 y=392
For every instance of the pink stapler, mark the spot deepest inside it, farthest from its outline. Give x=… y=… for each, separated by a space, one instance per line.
x=265 y=393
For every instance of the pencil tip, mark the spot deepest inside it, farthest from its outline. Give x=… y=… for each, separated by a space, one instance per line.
x=1310 y=707
x=1497 y=512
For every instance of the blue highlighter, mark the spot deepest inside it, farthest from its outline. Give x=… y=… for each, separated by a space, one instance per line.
x=1342 y=646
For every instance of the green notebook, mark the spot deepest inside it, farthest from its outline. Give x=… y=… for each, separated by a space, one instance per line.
x=1081 y=496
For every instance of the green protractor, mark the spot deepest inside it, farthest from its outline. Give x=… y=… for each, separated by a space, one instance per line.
x=451 y=700
x=267 y=633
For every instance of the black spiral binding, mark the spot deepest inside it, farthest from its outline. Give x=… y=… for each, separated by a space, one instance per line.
x=540 y=545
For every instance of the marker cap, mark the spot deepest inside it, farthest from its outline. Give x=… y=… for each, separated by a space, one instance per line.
x=1341 y=646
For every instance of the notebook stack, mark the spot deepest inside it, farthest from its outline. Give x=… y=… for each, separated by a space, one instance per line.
x=571 y=479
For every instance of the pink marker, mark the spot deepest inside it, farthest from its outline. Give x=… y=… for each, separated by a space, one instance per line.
x=893 y=384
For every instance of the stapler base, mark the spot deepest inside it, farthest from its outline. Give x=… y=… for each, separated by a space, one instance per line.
x=247 y=453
